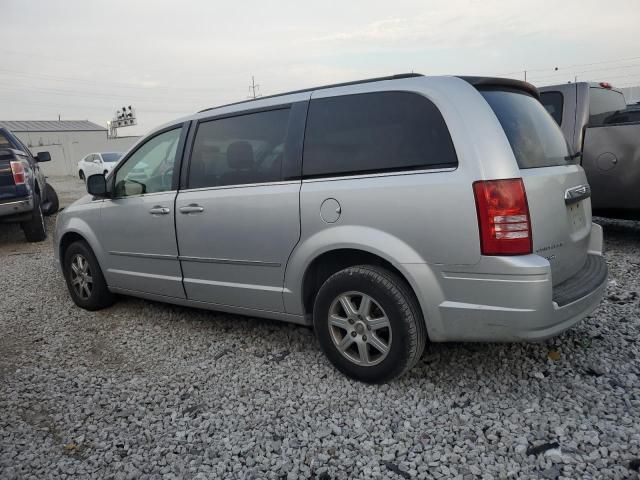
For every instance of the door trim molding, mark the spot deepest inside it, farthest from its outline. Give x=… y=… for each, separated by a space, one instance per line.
x=144 y=255
x=254 y=263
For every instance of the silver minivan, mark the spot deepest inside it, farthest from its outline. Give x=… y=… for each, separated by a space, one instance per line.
x=386 y=213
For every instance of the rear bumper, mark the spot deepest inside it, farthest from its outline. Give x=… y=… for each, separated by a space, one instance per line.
x=512 y=298
x=15 y=208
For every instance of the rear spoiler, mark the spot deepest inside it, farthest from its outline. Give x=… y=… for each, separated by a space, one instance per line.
x=502 y=83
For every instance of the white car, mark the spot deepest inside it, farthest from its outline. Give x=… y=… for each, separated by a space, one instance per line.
x=96 y=163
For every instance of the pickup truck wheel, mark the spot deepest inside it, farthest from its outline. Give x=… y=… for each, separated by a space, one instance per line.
x=52 y=203
x=84 y=278
x=369 y=323
x=35 y=229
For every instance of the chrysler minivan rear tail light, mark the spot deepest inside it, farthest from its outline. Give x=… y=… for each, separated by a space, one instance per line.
x=17 y=169
x=503 y=217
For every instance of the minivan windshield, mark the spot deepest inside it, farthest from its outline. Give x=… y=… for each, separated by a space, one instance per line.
x=535 y=138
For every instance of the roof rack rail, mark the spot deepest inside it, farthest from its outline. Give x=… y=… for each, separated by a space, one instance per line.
x=344 y=84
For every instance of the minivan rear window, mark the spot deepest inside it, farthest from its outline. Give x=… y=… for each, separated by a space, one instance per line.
x=535 y=138
x=375 y=132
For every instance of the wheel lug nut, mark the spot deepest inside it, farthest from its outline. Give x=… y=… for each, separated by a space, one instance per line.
x=351 y=321
x=353 y=333
x=364 y=338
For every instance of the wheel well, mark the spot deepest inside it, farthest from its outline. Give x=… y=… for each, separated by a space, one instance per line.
x=66 y=240
x=333 y=261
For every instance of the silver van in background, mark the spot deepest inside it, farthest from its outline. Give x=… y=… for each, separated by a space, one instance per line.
x=385 y=213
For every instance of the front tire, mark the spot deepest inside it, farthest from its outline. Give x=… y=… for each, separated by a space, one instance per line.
x=35 y=229
x=53 y=204
x=84 y=278
x=369 y=323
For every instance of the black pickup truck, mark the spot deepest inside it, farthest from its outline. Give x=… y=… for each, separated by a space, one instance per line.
x=25 y=196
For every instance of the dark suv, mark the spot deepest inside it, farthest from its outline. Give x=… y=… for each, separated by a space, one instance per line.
x=25 y=196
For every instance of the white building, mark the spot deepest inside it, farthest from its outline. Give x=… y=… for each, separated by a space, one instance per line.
x=68 y=141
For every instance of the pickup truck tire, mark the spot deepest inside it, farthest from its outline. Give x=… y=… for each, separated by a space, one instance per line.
x=369 y=323
x=84 y=278
x=52 y=203
x=35 y=229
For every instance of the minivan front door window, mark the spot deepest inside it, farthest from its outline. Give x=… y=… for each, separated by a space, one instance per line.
x=150 y=168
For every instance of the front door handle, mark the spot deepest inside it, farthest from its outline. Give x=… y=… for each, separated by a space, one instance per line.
x=159 y=210
x=192 y=208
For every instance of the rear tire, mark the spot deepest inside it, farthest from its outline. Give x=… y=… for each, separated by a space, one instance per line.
x=53 y=204
x=35 y=229
x=84 y=278
x=382 y=336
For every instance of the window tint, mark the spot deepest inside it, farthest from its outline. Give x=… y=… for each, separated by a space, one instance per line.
x=535 y=138
x=553 y=102
x=111 y=157
x=238 y=150
x=150 y=168
x=373 y=132
x=630 y=115
x=604 y=106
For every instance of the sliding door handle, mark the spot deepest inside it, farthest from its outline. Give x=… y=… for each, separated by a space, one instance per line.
x=192 y=208
x=159 y=210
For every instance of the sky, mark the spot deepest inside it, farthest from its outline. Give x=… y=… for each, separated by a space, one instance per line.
x=84 y=59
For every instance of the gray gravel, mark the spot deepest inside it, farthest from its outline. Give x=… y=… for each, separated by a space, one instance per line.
x=146 y=390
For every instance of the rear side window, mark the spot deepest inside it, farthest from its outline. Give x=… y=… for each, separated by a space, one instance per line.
x=375 y=132
x=605 y=107
x=554 y=103
x=4 y=141
x=239 y=150
x=536 y=140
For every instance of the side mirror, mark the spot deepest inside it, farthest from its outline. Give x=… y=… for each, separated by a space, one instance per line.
x=97 y=160
x=43 y=157
x=97 y=185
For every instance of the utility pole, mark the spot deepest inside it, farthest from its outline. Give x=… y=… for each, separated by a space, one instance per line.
x=254 y=88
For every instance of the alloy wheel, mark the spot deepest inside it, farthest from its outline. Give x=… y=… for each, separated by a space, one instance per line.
x=360 y=328
x=81 y=278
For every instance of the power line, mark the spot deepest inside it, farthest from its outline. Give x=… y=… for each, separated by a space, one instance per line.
x=519 y=72
x=112 y=84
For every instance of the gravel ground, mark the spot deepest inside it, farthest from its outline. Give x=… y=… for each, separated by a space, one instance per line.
x=146 y=390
